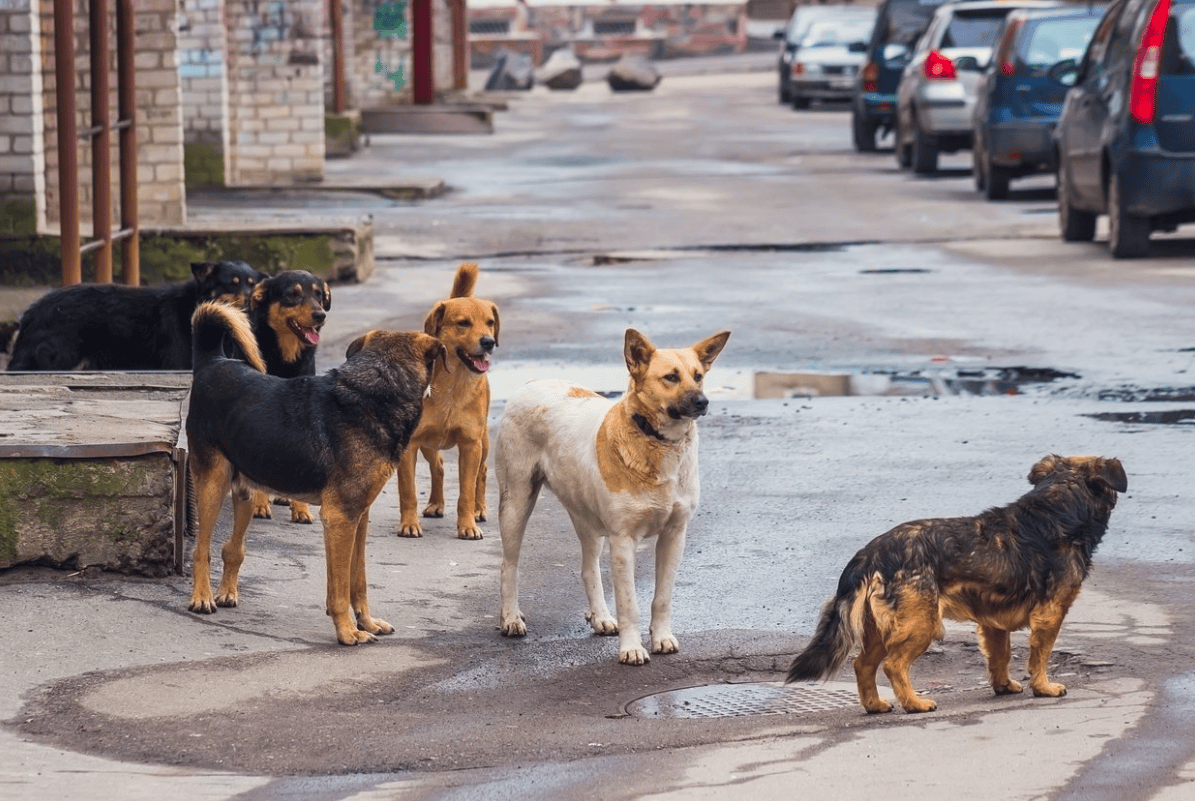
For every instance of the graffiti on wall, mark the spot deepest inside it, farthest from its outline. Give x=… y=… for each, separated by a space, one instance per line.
x=390 y=21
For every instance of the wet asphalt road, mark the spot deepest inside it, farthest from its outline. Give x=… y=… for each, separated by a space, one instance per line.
x=699 y=207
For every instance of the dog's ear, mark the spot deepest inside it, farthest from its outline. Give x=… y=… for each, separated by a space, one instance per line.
x=708 y=349
x=497 y=322
x=637 y=350
x=1111 y=472
x=257 y=296
x=434 y=350
x=1044 y=468
x=435 y=318
x=358 y=344
x=202 y=269
x=327 y=295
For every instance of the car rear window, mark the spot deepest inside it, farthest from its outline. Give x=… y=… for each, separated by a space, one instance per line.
x=904 y=22
x=1178 y=49
x=973 y=29
x=838 y=32
x=1054 y=40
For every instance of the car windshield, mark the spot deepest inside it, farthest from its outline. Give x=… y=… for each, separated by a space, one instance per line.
x=1054 y=40
x=973 y=29
x=837 y=32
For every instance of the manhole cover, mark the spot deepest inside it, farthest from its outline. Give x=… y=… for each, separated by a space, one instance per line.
x=738 y=700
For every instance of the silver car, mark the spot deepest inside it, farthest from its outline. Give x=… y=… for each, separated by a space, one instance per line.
x=830 y=54
x=936 y=96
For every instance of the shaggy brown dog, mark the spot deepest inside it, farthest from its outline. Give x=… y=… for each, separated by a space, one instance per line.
x=331 y=439
x=456 y=410
x=1010 y=567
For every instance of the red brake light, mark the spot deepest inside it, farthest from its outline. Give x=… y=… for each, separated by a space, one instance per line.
x=939 y=68
x=871 y=77
x=1143 y=93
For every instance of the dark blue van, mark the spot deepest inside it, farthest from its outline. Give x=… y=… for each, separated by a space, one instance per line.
x=1126 y=137
x=1020 y=96
x=899 y=24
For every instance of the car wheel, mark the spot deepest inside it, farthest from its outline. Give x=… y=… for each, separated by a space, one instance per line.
x=1128 y=234
x=800 y=102
x=864 y=132
x=977 y=169
x=925 y=153
x=904 y=154
x=996 y=181
x=1074 y=225
x=785 y=97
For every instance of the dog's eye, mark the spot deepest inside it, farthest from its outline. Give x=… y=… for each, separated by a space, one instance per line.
x=697 y=377
x=465 y=323
x=672 y=378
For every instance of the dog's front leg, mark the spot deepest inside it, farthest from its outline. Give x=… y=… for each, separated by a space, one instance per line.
x=358 y=593
x=435 y=497
x=995 y=646
x=670 y=547
x=622 y=573
x=408 y=524
x=466 y=505
x=599 y=616
x=1045 y=622
x=340 y=534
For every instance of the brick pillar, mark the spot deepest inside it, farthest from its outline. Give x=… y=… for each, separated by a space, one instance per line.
x=275 y=92
x=22 y=146
x=202 y=45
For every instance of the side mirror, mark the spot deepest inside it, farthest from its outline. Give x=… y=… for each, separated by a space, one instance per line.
x=967 y=63
x=896 y=52
x=1066 y=72
x=857 y=47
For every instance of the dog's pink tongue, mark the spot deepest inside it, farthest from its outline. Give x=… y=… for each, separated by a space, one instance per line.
x=481 y=365
x=311 y=335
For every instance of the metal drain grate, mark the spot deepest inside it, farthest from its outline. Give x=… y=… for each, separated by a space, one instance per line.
x=738 y=700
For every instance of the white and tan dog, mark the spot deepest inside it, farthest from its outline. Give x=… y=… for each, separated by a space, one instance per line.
x=624 y=471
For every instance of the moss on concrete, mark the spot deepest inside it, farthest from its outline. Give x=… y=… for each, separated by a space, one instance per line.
x=203 y=165
x=18 y=217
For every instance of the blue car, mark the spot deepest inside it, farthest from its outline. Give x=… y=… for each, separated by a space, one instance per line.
x=1126 y=137
x=1020 y=96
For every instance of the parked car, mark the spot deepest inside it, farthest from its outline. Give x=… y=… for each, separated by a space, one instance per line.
x=1126 y=136
x=798 y=24
x=1020 y=95
x=829 y=56
x=936 y=95
x=899 y=24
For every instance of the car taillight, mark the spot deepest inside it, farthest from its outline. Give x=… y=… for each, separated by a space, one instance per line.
x=939 y=68
x=798 y=68
x=871 y=77
x=1143 y=93
x=1004 y=53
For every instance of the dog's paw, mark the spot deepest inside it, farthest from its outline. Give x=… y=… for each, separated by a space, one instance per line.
x=355 y=637
x=1010 y=687
x=301 y=513
x=1049 y=689
x=412 y=530
x=434 y=510
x=227 y=599
x=202 y=606
x=374 y=625
x=920 y=705
x=665 y=645
x=262 y=512
x=468 y=532
x=479 y=515
x=602 y=624
x=877 y=707
x=515 y=626
x=634 y=656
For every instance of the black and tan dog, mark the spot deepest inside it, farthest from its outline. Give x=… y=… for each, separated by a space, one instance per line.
x=1010 y=567
x=456 y=411
x=287 y=312
x=117 y=327
x=333 y=440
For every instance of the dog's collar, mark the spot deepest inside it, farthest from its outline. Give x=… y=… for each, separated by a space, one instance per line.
x=647 y=428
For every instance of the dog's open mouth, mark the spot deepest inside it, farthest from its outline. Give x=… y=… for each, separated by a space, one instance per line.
x=307 y=333
x=478 y=364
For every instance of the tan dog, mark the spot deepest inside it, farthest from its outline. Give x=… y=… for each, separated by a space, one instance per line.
x=625 y=471
x=455 y=411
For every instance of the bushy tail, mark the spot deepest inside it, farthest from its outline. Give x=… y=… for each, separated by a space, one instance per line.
x=219 y=330
x=465 y=281
x=837 y=633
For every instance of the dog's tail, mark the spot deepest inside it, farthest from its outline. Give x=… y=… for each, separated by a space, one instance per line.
x=217 y=328
x=838 y=630
x=465 y=281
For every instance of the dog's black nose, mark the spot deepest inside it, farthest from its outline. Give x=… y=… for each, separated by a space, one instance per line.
x=319 y=315
x=487 y=344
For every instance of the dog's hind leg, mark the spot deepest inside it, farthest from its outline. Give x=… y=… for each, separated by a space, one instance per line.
x=867 y=663
x=358 y=592
x=670 y=547
x=1045 y=621
x=995 y=645
x=435 y=499
x=233 y=553
x=211 y=485
x=517 y=494
x=907 y=635
x=479 y=506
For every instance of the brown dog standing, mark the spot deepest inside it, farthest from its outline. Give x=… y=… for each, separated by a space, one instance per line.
x=455 y=411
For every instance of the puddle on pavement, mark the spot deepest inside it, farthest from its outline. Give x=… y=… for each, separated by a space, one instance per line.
x=738 y=700
x=732 y=384
x=1167 y=418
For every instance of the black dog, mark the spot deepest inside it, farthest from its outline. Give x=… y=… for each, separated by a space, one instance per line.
x=116 y=327
x=332 y=439
x=287 y=312
x=1014 y=566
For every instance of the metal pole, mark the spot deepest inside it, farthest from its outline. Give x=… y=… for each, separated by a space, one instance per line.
x=336 y=18
x=68 y=140
x=101 y=142
x=130 y=246
x=460 y=46
x=422 y=50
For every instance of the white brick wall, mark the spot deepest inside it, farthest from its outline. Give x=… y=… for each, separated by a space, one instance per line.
x=22 y=157
x=202 y=47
